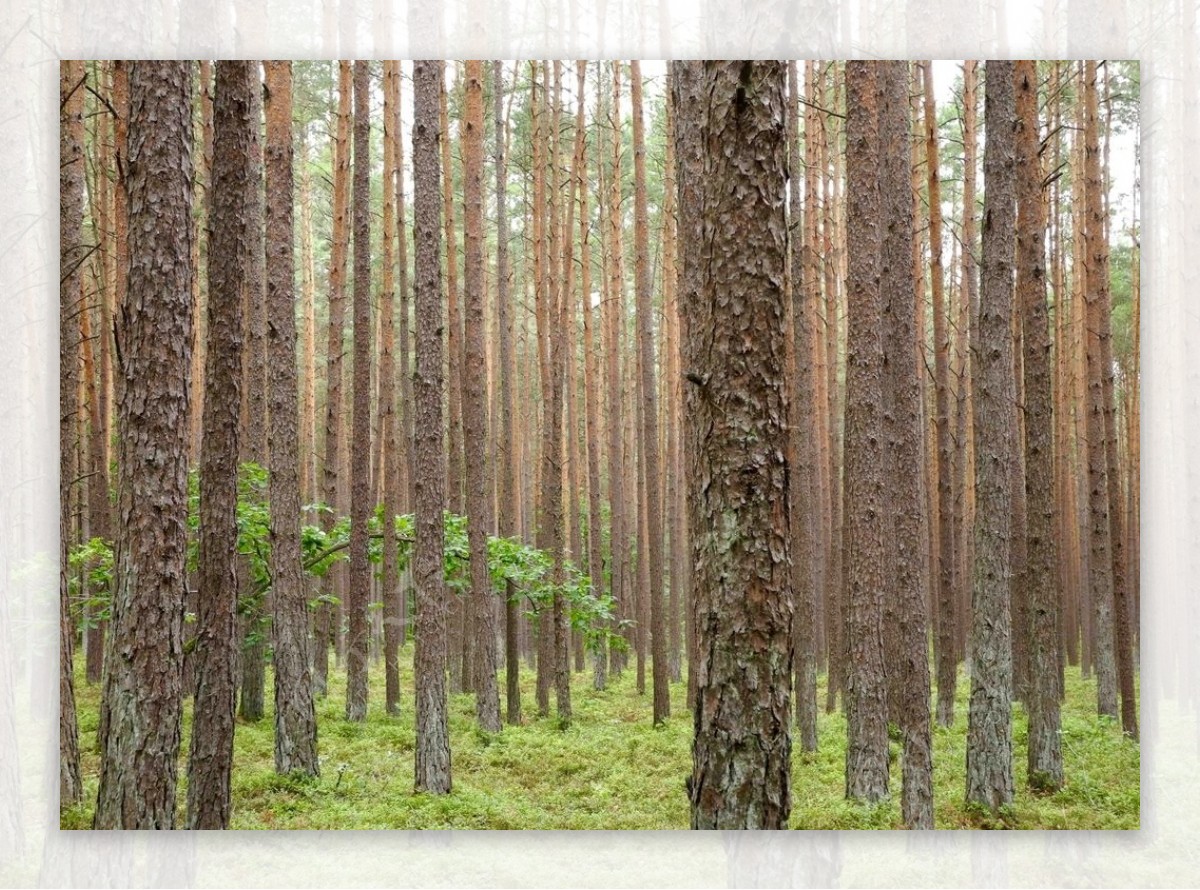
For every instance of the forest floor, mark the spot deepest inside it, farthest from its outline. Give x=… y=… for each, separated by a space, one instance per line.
x=612 y=769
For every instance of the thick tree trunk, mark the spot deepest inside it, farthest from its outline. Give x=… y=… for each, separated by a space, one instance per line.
x=432 y=759
x=295 y=715
x=360 y=467
x=142 y=708
x=989 y=733
x=737 y=436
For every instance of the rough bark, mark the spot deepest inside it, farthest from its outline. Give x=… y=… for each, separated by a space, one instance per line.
x=295 y=715
x=1041 y=578
x=360 y=467
x=475 y=409
x=432 y=758
x=734 y=307
x=72 y=87
x=649 y=429
x=904 y=431
x=142 y=702
x=989 y=732
x=866 y=545
x=230 y=253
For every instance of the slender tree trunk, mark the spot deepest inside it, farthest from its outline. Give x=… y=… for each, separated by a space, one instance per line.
x=432 y=758
x=802 y=482
x=592 y=414
x=329 y=617
x=989 y=733
x=614 y=322
x=230 y=255
x=835 y=578
x=72 y=88
x=676 y=501
x=253 y=630
x=552 y=453
x=649 y=430
x=389 y=422
x=475 y=413
x=737 y=437
x=308 y=276
x=508 y=465
x=904 y=432
x=1098 y=266
x=1041 y=701
x=947 y=669
x=295 y=715
x=866 y=550
x=360 y=491
x=1102 y=560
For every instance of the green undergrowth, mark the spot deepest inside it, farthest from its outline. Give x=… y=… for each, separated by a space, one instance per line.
x=610 y=769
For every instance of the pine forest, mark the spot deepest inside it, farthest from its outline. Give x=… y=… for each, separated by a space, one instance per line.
x=599 y=445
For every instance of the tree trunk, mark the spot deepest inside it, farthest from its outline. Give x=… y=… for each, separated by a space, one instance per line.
x=866 y=546
x=734 y=254
x=432 y=759
x=1041 y=700
x=72 y=89
x=989 y=732
x=508 y=466
x=1097 y=298
x=389 y=423
x=947 y=665
x=360 y=468
x=649 y=430
x=904 y=433
x=295 y=716
x=230 y=256
x=329 y=615
x=802 y=480
x=475 y=411
x=613 y=322
x=253 y=631
x=142 y=708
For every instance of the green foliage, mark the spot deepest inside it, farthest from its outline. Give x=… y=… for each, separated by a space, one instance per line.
x=89 y=581
x=528 y=569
